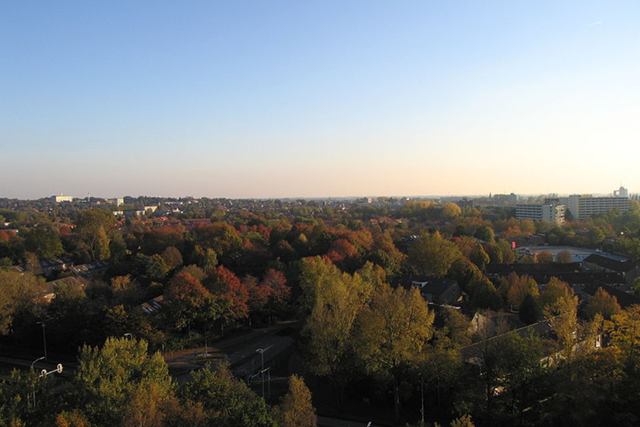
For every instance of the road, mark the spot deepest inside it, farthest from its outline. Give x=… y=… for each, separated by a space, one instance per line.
x=239 y=351
x=335 y=422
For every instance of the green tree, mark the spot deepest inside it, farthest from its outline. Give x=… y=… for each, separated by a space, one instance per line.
x=109 y=379
x=485 y=233
x=18 y=292
x=226 y=401
x=154 y=266
x=94 y=227
x=44 y=243
x=529 y=311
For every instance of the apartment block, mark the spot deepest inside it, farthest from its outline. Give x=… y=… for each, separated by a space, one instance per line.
x=546 y=212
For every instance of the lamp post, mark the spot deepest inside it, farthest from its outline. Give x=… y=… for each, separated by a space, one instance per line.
x=128 y=335
x=44 y=339
x=43 y=374
x=37 y=360
x=421 y=399
x=261 y=351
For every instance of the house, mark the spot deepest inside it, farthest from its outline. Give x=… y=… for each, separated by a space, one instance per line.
x=489 y=323
x=48 y=290
x=92 y=270
x=437 y=290
x=552 y=350
x=629 y=269
x=153 y=307
x=624 y=299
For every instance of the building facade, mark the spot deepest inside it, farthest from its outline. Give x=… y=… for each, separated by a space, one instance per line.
x=61 y=198
x=547 y=212
x=583 y=207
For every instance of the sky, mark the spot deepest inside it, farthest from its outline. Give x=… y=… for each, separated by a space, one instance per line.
x=277 y=99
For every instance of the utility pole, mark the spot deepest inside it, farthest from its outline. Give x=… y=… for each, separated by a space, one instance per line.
x=44 y=339
x=422 y=398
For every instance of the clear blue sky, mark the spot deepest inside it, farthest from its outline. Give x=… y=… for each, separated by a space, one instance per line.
x=318 y=98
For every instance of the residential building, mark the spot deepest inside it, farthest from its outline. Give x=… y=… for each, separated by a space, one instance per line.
x=584 y=206
x=61 y=198
x=547 y=212
x=437 y=290
x=117 y=201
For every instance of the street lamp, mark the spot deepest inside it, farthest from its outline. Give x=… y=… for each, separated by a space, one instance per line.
x=128 y=335
x=44 y=339
x=421 y=398
x=43 y=374
x=261 y=351
x=37 y=360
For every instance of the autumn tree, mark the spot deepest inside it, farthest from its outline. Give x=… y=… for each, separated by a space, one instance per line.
x=392 y=331
x=220 y=237
x=172 y=257
x=604 y=304
x=508 y=257
x=544 y=257
x=431 y=253
x=279 y=293
x=624 y=331
x=473 y=251
x=463 y=421
x=231 y=295
x=157 y=240
x=296 y=408
x=330 y=303
x=515 y=288
x=344 y=254
x=451 y=210
x=554 y=290
x=385 y=254
x=187 y=301
x=564 y=257
x=563 y=317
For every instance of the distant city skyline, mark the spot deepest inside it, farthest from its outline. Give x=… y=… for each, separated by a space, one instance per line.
x=287 y=99
x=444 y=196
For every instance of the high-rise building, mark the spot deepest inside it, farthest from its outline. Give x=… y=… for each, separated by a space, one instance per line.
x=584 y=206
x=546 y=212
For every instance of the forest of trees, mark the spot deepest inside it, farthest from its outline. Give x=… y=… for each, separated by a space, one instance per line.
x=365 y=340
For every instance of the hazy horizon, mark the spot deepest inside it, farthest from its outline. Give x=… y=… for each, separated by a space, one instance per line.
x=288 y=99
